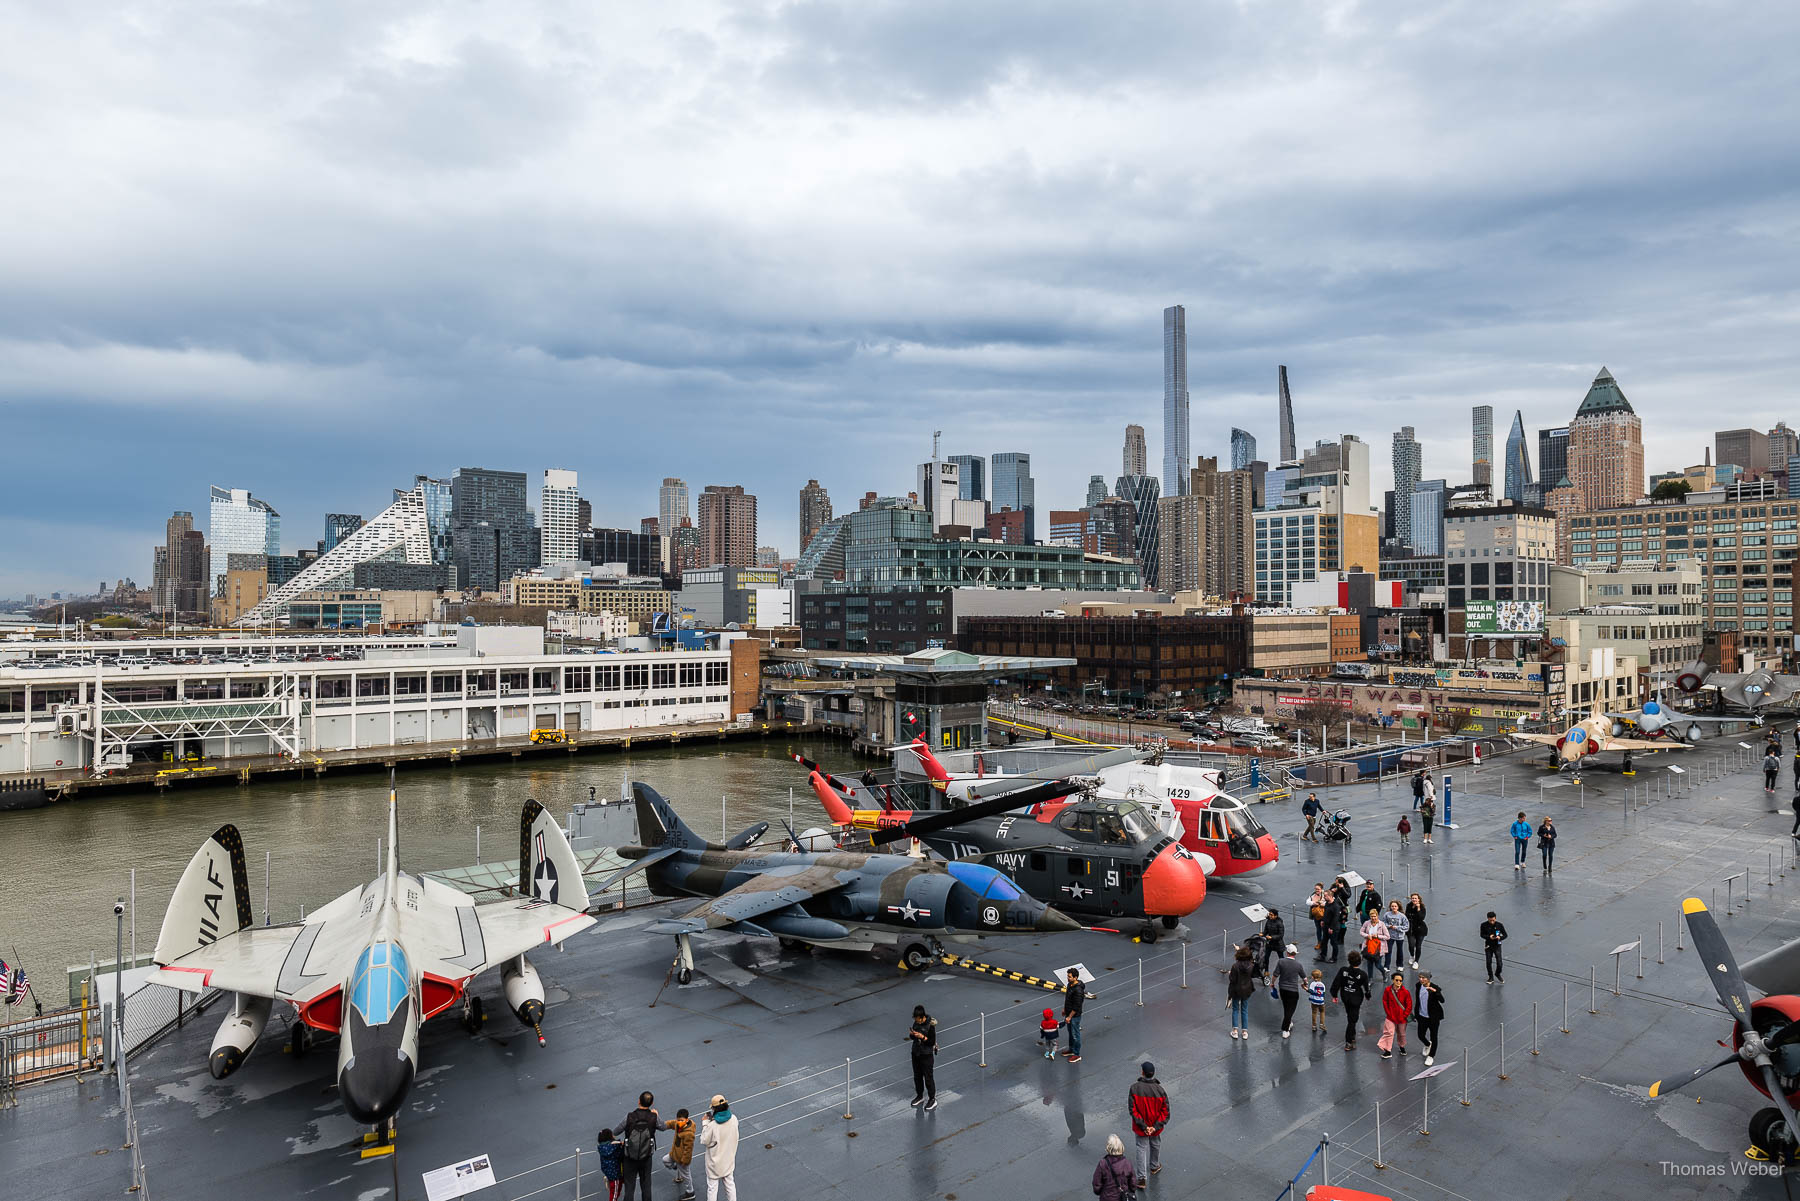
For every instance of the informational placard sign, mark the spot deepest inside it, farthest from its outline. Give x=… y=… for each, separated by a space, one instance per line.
x=1352 y=879
x=459 y=1179
x=1086 y=977
x=1435 y=1070
x=1255 y=913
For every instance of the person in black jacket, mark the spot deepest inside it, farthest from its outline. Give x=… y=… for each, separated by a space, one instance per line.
x=1333 y=923
x=1428 y=1011
x=1546 y=833
x=1240 y=986
x=1074 y=996
x=1368 y=901
x=1418 y=783
x=1310 y=810
x=1415 y=927
x=1274 y=935
x=637 y=1155
x=1290 y=978
x=1350 y=987
x=922 y=1037
x=1493 y=933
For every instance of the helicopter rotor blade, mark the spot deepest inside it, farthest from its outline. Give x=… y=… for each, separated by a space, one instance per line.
x=943 y=819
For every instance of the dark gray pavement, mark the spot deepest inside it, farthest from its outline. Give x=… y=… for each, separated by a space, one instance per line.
x=772 y=1031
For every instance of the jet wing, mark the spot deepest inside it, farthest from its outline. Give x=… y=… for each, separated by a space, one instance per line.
x=1540 y=739
x=1775 y=972
x=247 y=961
x=506 y=929
x=767 y=893
x=1640 y=744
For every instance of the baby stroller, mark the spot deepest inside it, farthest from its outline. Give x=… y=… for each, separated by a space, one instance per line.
x=1336 y=826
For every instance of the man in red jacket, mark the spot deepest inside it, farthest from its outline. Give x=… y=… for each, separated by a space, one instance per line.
x=1149 y=1114
x=1396 y=1008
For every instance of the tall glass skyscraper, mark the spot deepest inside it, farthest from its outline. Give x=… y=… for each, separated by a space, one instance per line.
x=1518 y=461
x=1553 y=456
x=1175 y=399
x=1243 y=449
x=490 y=526
x=1407 y=463
x=973 y=481
x=1096 y=490
x=241 y=525
x=1284 y=401
x=1483 y=430
x=1142 y=492
x=1014 y=488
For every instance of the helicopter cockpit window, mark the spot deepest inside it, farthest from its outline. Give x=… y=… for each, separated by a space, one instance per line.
x=1137 y=825
x=1079 y=822
x=1111 y=828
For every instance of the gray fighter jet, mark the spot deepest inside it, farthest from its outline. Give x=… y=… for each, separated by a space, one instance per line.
x=831 y=898
x=1753 y=692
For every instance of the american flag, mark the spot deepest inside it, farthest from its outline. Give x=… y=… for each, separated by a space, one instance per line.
x=20 y=983
x=5 y=979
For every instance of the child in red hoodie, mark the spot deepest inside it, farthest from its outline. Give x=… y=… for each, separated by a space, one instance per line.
x=1047 y=1033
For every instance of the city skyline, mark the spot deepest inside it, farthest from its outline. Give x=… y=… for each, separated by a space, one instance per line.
x=450 y=289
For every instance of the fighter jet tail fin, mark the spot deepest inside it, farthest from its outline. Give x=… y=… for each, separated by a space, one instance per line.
x=211 y=901
x=548 y=869
x=658 y=825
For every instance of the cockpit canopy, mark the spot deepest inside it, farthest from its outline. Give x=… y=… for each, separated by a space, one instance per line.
x=985 y=881
x=380 y=982
x=1119 y=823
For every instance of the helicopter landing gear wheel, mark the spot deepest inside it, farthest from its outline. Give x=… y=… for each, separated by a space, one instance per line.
x=1170 y=921
x=915 y=957
x=1148 y=933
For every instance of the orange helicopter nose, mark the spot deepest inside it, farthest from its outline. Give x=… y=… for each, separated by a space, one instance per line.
x=1174 y=884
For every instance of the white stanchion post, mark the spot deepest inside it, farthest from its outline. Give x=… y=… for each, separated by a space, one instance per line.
x=983 y=1062
x=847 y=1114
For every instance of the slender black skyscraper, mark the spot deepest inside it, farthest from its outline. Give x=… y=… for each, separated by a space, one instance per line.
x=1175 y=400
x=1289 y=452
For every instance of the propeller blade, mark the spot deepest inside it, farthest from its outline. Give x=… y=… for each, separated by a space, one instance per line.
x=1773 y=1080
x=945 y=818
x=1085 y=766
x=1721 y=965
x=1660 y=1089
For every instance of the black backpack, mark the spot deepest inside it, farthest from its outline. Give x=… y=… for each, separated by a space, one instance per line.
x=640 y=1135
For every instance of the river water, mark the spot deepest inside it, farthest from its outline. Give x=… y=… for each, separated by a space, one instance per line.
x=65 y=864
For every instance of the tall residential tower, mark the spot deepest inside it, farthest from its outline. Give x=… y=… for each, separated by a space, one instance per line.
x=1175 y=399
x=1408 y=463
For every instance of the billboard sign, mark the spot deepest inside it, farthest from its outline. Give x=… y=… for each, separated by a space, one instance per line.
x=1503 y=617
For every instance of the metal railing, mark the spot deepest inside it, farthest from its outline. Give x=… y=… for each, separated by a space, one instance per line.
x=61 y=1043
x=134 y=1142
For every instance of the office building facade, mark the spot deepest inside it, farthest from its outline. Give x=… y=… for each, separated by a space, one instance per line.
x=815 y=511
x=1518 y=461
x=559 y=512
x=1136 y=456
x=1243 y=449
x=1142 y=492
x=1606 y=447
x=182 y=580
x=491 y=533
x=727 y=526
x=1500 y=553
x=1013 y=488
x=642 y=554
x=240 y=524
x=338 y=526
x=971 y=481
x=1553 y=457
x=1408 y=462
x=1175 y=399
x=1743 y=539
x=1482 y=464
x=1284 y=401
x=1096 y=490
x=672 y=505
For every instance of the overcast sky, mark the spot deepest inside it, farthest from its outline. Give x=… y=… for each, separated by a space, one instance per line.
x=313 y=250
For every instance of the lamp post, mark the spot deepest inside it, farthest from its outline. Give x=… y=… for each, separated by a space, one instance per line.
x=119 y=988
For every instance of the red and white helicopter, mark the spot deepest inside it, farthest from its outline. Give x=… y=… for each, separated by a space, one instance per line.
x=1186 y=802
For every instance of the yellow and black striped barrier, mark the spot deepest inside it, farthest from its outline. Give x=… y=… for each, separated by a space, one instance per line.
x=1000 y=973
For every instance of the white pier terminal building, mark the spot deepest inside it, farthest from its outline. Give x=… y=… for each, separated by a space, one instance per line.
x=101 y=706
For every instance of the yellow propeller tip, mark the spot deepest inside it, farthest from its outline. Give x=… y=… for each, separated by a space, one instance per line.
x=1655 y=1088
x=1693 y=905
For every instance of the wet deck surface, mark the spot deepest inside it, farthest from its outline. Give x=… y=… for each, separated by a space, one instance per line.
x=771 y=1030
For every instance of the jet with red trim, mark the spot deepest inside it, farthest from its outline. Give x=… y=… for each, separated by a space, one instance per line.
x=372 y=965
